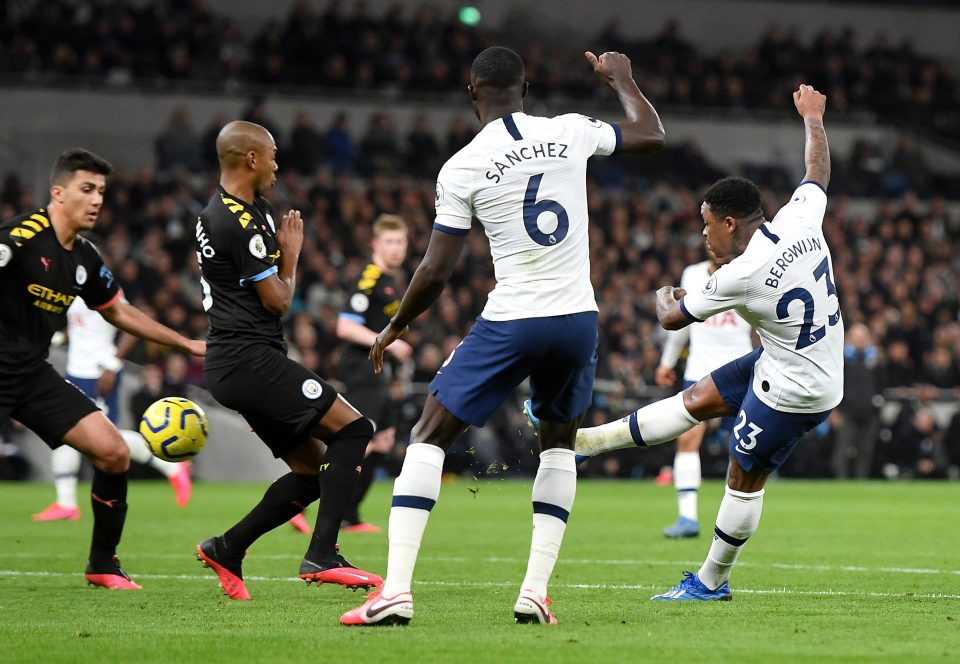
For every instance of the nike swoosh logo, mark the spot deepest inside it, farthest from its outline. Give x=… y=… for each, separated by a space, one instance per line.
x=539 y=608
x=362 y=577
x=372 y=613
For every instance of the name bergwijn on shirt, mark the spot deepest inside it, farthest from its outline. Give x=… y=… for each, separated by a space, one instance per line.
x=538 y=151
x=799 y=248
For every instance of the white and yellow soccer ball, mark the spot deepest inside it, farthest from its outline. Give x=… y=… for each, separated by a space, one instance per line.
x=174 y=429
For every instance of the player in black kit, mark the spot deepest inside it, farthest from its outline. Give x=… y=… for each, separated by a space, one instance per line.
x=44 y=265
x=248 y=264
x=369 y=308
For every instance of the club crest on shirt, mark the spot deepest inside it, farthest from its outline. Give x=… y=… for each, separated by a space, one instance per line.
x=5 y=254
x=711 y=286
x=81 y=275
x=438 y=201
x=257 y=247
x=311 y=389
x=593 y=121
x=359 y=302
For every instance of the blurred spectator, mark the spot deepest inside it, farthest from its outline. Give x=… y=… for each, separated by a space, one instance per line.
x=307 y=147
x=177 y=146
x=340 y=144
x=423 y=152
x=379 y=147
x=859 y=412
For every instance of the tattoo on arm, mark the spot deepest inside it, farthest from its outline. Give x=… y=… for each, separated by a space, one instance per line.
x=817 y=153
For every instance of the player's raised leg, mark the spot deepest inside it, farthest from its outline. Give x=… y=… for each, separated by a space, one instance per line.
x=415 y=492
x=100 y=441
x=65 y=463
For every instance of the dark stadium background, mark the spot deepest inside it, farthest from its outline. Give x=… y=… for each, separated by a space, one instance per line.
x=366 y=101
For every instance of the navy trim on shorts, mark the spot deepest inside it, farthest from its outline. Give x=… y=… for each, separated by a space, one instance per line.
x=416 y=502
x=551 y=510
x=450 y=230
x=511 y=126
x=686 y=312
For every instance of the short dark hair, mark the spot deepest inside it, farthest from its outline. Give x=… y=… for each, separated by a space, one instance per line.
x=733 y=197
x=497 y=67
x=78 y=159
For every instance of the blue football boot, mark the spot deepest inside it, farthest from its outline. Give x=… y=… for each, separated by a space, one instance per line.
x=683 y=527
x=691 y=588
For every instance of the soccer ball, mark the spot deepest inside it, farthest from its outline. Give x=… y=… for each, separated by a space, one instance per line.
x=174 y=429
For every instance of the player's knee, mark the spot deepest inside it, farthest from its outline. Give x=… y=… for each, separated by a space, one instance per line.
x=358 y=432
x=703 y=401
x=113 y=457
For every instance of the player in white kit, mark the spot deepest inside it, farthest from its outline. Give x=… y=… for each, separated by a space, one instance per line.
x=95 y=366
x=779 y=279
x=716 y=341
x=524 y=178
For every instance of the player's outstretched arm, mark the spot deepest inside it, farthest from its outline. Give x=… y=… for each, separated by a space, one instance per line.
x=428 y=282
x=669 y=313
x=276 y=293
x=643 y=131
x=816 y=154
x=128 y=318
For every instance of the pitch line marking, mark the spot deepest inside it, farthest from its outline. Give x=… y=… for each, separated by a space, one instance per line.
x=573 y=561
x=509 y=584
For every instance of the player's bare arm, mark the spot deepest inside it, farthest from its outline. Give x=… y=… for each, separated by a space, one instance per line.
x=108 y=379
x=362 y=335
x=128 y=318
x=276 y=293
x=669 y=314
x=642 y=132
x=428 y=282
x=816 y=154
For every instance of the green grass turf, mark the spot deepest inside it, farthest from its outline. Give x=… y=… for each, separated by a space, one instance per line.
x=838 y=571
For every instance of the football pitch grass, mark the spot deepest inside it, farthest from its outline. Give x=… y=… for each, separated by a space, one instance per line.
x=837 y=571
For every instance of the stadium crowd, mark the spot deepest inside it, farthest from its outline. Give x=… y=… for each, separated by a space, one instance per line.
x=421 y=50
x=896 y=269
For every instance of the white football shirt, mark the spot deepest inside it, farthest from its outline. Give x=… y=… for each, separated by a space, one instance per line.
x=719 y=339
x=524 y=178
x=92 y=341
x=782 y=284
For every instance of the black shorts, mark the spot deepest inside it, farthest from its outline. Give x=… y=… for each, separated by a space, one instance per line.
x=280 y=399
x=45 y=402
x=375 y=404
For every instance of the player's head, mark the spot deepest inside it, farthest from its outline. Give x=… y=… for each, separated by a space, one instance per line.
x=731 y=209
x=248 y=151
x=496 y=77
x=389 y=241
x=77 y=182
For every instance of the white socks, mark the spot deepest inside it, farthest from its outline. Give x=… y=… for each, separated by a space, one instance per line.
x=553 y=492
x=65 y=462
x=736 y=521
x=140 y=454
x=415 y=492
x=651 y=425
x=686 y=480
